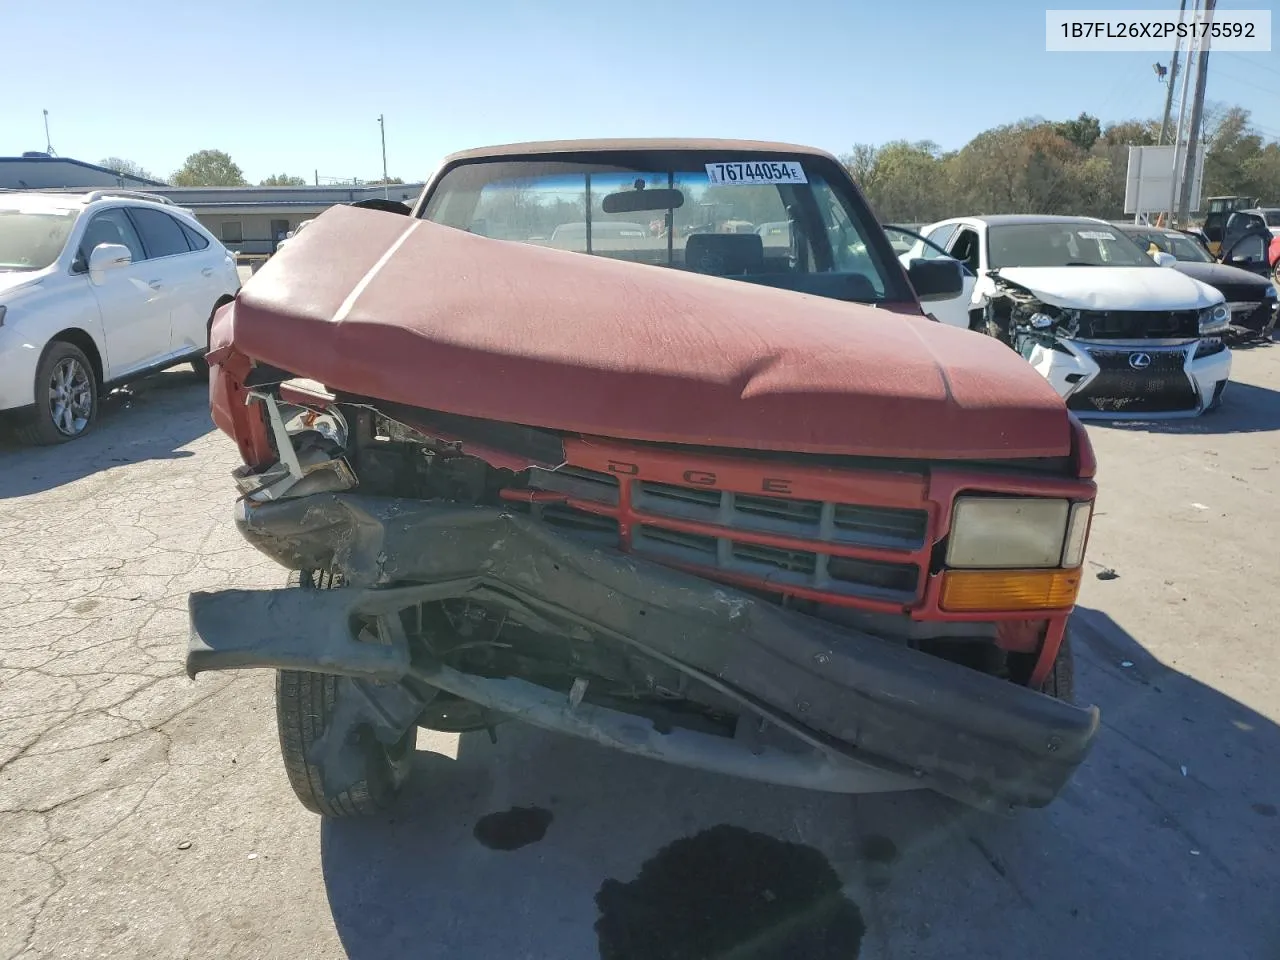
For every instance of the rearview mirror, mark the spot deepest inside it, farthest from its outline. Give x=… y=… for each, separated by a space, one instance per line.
x=635 y=201
x=105 y=257
x=939 y=279
x=1164 y=259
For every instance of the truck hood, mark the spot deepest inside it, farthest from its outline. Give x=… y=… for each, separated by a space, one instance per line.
x=412 y=312
x=1114 y=288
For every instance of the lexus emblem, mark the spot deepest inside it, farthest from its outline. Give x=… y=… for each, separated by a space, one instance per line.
x=1139 y=361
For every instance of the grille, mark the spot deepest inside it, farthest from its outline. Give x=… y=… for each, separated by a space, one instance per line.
x=869 y=526
x=1162 y=361
x=1138 y=324
x=590 y=526
x=734 y=528
x=1161 y=387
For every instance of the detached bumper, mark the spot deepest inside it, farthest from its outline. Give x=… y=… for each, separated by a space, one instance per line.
x=873 y=714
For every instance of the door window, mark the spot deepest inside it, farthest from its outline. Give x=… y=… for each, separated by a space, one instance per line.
x=161 y=234
x=195 y=239
x=111 y=226
x=965 y=248
x=939 y=236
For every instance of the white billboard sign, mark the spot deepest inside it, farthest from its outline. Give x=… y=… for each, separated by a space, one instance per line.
x=1149 y=186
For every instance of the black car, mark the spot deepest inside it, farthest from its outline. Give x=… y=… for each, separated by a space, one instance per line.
x=1250 y=297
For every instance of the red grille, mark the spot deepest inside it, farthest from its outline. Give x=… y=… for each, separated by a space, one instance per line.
x=725 y=521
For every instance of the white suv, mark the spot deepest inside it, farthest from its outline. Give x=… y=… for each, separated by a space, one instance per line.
x=96 y=289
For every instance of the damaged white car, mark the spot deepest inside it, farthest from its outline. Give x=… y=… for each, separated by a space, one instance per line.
x=1116 y=335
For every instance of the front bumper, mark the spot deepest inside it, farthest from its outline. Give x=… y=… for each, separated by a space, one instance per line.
x=1256 y=317
x=869 y=714
x=1098 y=382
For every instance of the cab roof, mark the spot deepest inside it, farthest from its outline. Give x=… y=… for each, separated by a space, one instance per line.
x=633 y=144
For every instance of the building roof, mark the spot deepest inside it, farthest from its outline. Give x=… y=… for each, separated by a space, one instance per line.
x=632 y=144
x=86 y=166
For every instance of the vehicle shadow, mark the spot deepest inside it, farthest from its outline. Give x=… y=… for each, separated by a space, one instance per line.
x=1245 y=409
x=1162 y=845
x=148 y=420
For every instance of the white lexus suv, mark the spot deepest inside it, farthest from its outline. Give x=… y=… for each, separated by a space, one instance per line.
x=97 y=289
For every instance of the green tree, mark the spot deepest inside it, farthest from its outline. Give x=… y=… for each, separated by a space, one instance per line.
x=209 y=168
x=1083 y=131
x=126 y=168
x=283 y=180
x=390 y=181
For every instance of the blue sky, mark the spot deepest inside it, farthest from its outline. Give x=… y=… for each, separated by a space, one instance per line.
x=296 y=85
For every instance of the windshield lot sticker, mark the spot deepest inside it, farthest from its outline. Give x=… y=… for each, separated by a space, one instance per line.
x=755 y=171
x=1095 y=235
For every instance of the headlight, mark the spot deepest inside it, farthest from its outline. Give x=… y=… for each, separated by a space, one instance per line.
x=1215 y=319
x=1012 y=532
x=1267 y=294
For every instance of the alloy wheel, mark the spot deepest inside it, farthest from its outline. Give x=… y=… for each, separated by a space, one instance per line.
x=70 y=397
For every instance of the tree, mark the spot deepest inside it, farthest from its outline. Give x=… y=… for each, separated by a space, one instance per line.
x=283 y=180
x=1083 y=131
x=390 y=181
x=209 y=168
x=1135 y=133
x=126 y=168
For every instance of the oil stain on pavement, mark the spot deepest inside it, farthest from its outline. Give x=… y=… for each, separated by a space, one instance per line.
x=512 y=829
x=729 y=892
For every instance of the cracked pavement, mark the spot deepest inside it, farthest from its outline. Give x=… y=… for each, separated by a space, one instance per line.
x=146 y=815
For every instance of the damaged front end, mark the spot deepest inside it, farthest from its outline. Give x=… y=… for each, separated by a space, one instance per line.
x=1116 y=363
x=645 y=600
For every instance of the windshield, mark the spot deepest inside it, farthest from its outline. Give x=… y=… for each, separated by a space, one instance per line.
x=1065 y=244
x=1272 y=217
x=768 y=219
x=30 y=239
x=1182 y=247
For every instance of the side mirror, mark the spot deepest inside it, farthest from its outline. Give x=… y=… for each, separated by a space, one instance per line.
x=1164 y=259
x=940 y=279
x=106 y=257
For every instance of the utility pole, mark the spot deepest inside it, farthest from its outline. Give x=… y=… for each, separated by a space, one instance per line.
x=382 y=124
x=1173 y=78
x=1182 y=119
x=1197 y=117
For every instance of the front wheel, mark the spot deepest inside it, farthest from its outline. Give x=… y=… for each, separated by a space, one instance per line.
x=364 y=776
x=66 y=397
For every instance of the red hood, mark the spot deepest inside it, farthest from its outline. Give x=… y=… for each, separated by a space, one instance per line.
x=416 y=313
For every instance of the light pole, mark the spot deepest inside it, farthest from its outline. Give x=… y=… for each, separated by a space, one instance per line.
x=382 y=125
x=48 y=143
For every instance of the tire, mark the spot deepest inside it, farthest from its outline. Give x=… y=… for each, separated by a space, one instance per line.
x=1061 y=682
x=305 y=703
x=66 y=397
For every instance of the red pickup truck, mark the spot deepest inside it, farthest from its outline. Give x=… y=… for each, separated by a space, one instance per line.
x=721 y=499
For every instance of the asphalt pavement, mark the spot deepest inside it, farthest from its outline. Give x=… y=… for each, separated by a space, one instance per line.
x=146 y=815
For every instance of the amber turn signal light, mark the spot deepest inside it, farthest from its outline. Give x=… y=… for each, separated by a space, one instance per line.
x=968 y=591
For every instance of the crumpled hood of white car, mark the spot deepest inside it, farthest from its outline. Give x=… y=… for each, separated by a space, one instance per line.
x=1114 y=288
